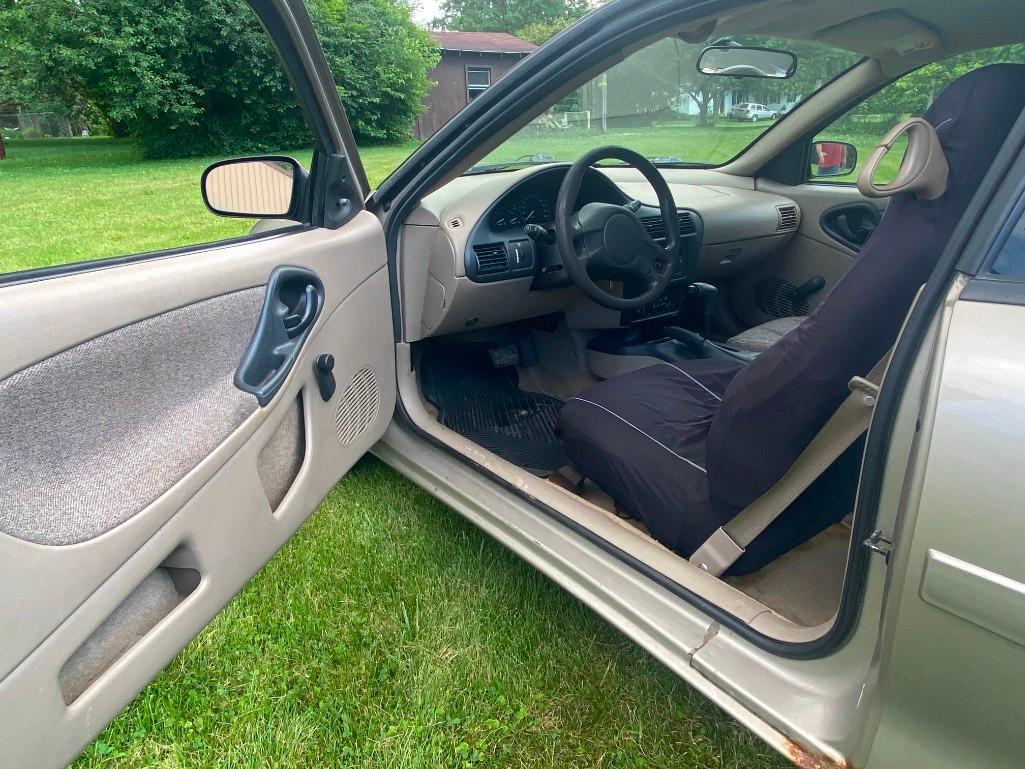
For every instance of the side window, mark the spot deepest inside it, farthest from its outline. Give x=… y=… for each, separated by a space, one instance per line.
x=478 y=80
x=109 y=118
x=863 y=126
x=1010 y=260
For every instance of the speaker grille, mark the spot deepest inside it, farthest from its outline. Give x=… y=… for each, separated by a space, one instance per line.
x=777 y=297
x=358 y=406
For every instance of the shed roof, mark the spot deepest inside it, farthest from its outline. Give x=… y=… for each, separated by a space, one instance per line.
x=483 y=42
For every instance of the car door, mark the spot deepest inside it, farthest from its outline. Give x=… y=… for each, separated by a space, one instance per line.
x=953 y=656
x=170 y=420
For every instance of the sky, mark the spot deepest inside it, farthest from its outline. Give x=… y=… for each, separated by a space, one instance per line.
x=425 y=10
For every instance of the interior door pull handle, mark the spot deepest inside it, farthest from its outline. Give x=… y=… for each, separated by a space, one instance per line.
x=296 y=323
x=294 y=299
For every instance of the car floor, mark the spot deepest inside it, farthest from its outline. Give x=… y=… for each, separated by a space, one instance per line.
x=486 y=405
x=516 y=420
x=803 y=585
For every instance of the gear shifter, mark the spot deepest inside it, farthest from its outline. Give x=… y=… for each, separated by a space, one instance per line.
x=706 y=297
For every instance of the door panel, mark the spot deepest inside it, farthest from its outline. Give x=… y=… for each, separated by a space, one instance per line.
x=141 y=488
x=954 y=659
x=797 y=278
x=58 y=484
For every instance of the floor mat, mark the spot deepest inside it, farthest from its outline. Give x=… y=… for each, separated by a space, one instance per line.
x=486 y=405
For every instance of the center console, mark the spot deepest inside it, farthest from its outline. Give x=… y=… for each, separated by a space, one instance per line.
x=652 y=337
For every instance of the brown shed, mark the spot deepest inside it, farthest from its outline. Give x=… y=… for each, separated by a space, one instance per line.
x=470 y=62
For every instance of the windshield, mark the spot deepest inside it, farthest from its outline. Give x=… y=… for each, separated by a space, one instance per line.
x=656 y=102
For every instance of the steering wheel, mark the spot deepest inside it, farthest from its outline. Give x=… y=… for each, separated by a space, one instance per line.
x=605 y=241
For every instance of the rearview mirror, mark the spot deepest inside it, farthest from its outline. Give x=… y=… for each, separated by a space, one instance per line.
x=743 y=61
x=833 y=159
x=254 y=188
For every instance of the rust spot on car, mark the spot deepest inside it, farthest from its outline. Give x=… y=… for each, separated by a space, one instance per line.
x=809 y=759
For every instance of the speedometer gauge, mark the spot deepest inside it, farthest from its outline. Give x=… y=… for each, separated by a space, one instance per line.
x=528 y=208
x=532 y=208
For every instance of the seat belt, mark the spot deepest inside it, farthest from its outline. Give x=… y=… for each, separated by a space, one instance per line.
x=725 y=546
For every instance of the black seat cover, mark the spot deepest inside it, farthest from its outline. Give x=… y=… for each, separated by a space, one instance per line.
x=641 y=437
x=771 y=409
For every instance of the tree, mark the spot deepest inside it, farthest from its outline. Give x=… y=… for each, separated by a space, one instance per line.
x=380 y=60
x=540 y=32
x=506 y=15
x=199 y=76
x=913 y=93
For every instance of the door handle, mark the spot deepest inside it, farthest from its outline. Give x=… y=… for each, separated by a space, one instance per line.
x=852 y=224
x=296 y=323
x=294 y=299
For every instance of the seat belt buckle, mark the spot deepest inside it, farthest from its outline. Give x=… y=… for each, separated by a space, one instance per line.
x=718 y=553
x=869 y=389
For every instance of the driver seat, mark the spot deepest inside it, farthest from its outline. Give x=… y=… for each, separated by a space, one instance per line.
x=684 y=447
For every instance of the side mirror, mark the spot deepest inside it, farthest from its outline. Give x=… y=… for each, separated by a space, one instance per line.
x=254 y=188
x=833 y=159
x=745 y=61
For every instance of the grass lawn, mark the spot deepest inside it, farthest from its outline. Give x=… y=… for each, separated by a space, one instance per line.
x=683 y=140
x=389 y=632
x=70 y=200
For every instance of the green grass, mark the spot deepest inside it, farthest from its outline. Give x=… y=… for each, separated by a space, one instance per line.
x=71 y=200
x=683 y=140
x=389 y=632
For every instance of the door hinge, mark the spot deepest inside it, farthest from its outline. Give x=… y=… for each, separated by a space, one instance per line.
x=877 y=543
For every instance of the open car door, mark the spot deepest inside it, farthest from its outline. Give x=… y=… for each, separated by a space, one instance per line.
x=170 y=420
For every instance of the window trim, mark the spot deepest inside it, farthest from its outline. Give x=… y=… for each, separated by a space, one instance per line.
x=1014 y=218
x=477 y=88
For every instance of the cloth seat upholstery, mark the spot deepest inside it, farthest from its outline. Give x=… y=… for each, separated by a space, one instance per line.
x=760 y=338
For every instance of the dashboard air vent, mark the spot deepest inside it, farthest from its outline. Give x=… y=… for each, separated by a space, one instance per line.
x=491 y=258
x=455 y=224
x=787 y=218
x=656 y=228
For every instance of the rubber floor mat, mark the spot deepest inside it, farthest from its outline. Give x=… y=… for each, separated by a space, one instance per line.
x=487 y=406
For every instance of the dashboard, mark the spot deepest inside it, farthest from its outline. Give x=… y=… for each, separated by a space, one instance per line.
x=533 y=201
x=482 y=268
x=499 y=249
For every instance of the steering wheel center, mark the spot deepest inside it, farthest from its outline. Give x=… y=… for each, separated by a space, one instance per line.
x=624 y=238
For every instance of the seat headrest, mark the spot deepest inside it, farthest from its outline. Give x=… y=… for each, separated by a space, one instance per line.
x=923 y=170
